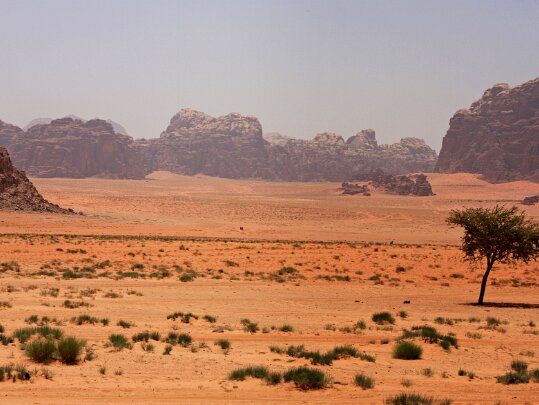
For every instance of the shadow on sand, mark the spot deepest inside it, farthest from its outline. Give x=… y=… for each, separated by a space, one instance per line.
x=503 y=305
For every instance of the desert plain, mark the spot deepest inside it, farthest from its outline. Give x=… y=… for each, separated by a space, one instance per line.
x=307 y=265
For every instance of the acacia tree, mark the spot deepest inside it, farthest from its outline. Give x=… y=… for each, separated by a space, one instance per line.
x=498 y=234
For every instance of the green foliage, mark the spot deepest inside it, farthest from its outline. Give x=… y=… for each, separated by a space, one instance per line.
x=69 y=350
x=363 y=381
x=519 y=366
x=338 y=352
x=306 y=378
x=41 y=351
x=496 y=234
x=119 y=342
x=407 y=351
x=249 y=326
x=415 y=399
x=382 y=318
x=223 y=344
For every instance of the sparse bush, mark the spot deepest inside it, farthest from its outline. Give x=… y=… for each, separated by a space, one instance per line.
x=407 y=351
x=382 y=318
x=210 y=319
x=306 y=378
x=363 y=381
x=415 y=399
x=125 y=324
x=286 y=328
x=519 y=366
x=69 y=350
x=119 y=342
x=41 y=351
x=248 y=326
x=223 y=344
x=241 y=374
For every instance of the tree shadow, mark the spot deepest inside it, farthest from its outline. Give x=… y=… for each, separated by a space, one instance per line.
x=503 y=305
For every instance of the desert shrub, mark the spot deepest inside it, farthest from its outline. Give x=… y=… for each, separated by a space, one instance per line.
x=14 y=372
x=306 y=378
x=41 y=351
x=383 y=317
x=145 y=336
x=184 y=339
x=124 y=324
x=48 y=332
x=286 y=328
x=403 y=314
x=363 y=381
x=327 y=358
x=223 y=344
x=168 y=349
x=513 y=378
x=24 y=334
x=119 y=341
x=519 y=366
x=248 y=326
x=427 y=372
x=407 y=351
x=69 y=350
x=415 y=399
x=75 y=304
x=147 y=347
x=82 y=319
x=241 y=374
x=210 y=319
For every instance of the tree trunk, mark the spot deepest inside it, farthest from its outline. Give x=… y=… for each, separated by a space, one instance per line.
x=484 y=282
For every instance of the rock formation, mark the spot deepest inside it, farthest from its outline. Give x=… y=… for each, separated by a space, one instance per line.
x=18 y=193
x=231 y=146
x=498 y=136
x=73 y=148
x=353 y=189
x=532 y=200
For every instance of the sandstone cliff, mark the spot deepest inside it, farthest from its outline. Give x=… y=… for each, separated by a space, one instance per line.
x=233 y=146
x=18 y=193
x=74 y=148
x=498 y=136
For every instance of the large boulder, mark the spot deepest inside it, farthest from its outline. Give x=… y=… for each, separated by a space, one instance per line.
x=498 y=136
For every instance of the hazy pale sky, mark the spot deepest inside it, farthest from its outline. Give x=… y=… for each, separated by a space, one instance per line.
x=301 y=67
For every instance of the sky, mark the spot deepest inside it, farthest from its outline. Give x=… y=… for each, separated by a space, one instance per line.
x=302 y=67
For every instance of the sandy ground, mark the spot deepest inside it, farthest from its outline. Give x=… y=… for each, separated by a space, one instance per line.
x=208 y=207
x=332 y=287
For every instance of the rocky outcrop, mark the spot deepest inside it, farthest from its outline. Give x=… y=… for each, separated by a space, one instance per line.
x=354 y=189
x=403 y=185
x=230 y=146
x=498 y=136
x=532 y=200
x=73 y=148
x=233 y=146
x=18 y=193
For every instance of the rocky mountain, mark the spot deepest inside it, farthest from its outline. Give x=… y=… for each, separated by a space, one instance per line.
x=18 y=193
x=230 y=146
x=119 y=129
x=498 y=136
x=233 y=146
x=73 y=148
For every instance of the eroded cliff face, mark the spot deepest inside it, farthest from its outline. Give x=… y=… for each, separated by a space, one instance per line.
x=73 y=148
x=498 y=136
x=230 y=146
x=18 y=193
x=233 y=146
